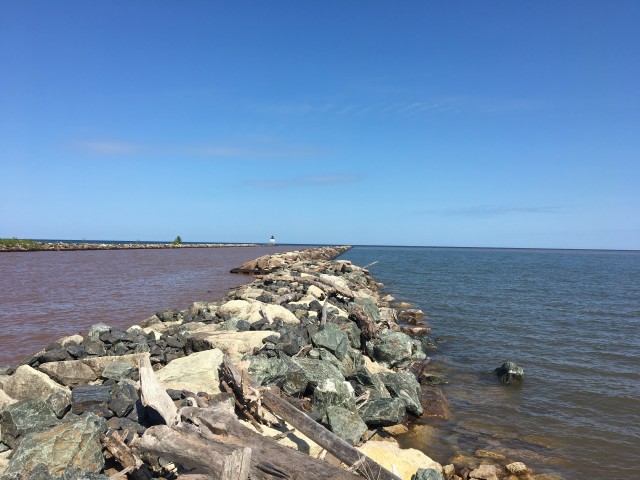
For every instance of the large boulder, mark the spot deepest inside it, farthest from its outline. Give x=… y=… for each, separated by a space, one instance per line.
x=5 y=400
x=404 y=386
x=394 y=349
x=234 y=344
x=383 y=411
x=333 y=339
x=24 y=417
x=75 y=443
x=406 y=461
x=370 y=308
x=196 y=373
x=78 y=372
x=250 y=310
x=330 y=394
x=346 y=424
x=28 y=382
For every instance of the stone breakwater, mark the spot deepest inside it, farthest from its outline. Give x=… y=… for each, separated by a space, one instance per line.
x=316 y=329
x=65 y=246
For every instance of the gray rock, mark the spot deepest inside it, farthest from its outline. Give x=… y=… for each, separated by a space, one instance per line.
x=268 y=371
x=94 y=348
x=509 y=372
x=27 y=382
x=383 y=411
x=24 y=417
x=427 y=474
x=85 y=397
x=346 y=424
x=123 y=398
x=318 y=371
x=353 y=333
x=404 y=386
x=96 y=330
x=73 y=444
x=333 y=339
x=118 y=370
x=59 y=403
x=352 y=363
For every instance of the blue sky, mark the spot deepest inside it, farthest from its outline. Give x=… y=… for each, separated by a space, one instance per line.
x=458 y=123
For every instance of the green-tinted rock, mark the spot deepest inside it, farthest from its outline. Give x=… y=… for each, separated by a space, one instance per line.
x=346 y=424
x=372 y=383
x=331 y=394
x=318 y=371
x=427 y=474
x=404 y=386
x=370 y=308
x=392 y=349
x=296 y=380
x=59 y=403
x=118 y=371
x=70 y=444
x=333 y=339
x=383 y=411
x=25 y=417
x=352 y=363
x=353 y=334
x=268 y=371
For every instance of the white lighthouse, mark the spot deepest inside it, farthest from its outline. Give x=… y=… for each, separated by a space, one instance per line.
x=272 y=241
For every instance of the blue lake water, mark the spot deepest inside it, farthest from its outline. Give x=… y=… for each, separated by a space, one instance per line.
x=570 y=318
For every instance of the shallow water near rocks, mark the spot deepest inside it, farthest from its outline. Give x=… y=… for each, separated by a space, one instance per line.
x=570 y=318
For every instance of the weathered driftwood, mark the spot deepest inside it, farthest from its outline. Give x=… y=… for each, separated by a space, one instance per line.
x=367 y=327
x=288 y=297
x=197 y=454
x=132 y=464
x=154 y=395
x=323 y=316
x=316 y=432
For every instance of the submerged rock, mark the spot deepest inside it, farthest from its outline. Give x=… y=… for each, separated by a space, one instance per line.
x=509 y=372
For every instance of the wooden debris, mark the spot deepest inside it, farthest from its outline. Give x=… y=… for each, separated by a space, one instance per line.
x=153 y=394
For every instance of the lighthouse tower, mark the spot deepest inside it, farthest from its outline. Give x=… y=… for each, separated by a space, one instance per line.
x=272 y=241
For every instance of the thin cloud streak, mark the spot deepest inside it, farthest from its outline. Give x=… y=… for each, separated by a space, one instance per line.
x=122 y=149
x=491 y=211
x=306 y=181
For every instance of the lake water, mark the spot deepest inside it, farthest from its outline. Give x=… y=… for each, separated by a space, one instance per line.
x=48 y=295
x=570 y=318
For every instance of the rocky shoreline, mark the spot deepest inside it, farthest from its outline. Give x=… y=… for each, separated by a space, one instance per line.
x=316 y=330
x=72 y=246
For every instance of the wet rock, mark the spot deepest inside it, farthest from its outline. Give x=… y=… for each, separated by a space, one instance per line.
x=86 y=397
x=196 y=373
x=27 y=382
x=410 y=315
x=404 y=386
x=346 y=424
x=24 y=417
x=333 y=339
x=75 y=444
x=383 y=411
x=485 y=472
x=433 y=402
x=509 y=372
x=427 y=474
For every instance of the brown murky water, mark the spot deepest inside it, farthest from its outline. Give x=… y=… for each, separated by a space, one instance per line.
x=47 y=295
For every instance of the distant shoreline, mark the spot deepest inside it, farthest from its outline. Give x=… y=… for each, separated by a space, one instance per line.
x=32 y=246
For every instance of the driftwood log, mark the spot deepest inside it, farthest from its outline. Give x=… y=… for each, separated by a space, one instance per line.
x=211 y=443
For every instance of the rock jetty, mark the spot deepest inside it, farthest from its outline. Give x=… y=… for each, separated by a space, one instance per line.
x=32 y=246
x=295 y=375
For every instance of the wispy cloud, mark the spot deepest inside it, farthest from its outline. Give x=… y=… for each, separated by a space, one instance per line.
x=306 y=181
x=117 y=149
x=491 y=210
x=438 y=105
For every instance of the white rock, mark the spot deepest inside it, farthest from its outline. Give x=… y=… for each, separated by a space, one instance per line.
x=197 y=373
x=28 y=382
x=5 y=400
x=485 y=472
x=249 y=310
x=315 y=292
x=85 y=370
x=235 y=344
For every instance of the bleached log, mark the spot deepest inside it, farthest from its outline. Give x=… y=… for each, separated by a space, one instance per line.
x=154 y=395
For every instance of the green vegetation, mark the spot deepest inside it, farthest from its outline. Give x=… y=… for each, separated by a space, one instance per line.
x=16 y=243
x=177 y=241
